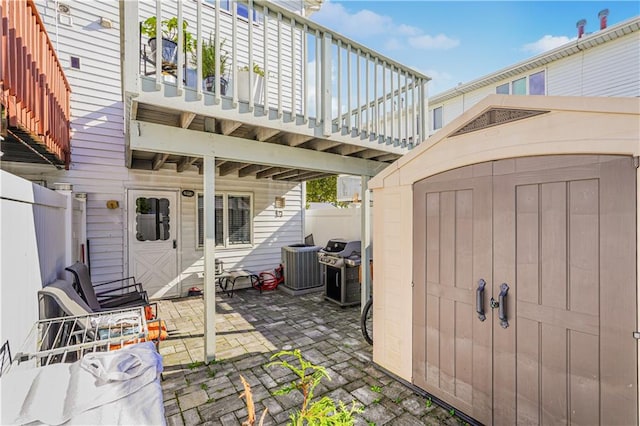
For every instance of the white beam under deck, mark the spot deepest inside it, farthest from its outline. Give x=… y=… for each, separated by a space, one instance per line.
x=174 y=140
x=188 y=101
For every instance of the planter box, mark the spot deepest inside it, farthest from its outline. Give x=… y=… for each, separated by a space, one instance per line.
x=243 y=87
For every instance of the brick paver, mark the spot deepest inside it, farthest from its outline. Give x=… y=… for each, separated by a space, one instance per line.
x=250 y=327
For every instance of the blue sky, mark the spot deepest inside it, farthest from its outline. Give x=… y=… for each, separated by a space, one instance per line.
x=459 y=41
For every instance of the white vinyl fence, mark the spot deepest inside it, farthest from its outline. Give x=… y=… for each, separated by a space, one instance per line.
x=42 y=232
x=326 y=224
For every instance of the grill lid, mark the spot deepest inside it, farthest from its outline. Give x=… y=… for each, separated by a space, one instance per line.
x=335 y=246
x=341 y=248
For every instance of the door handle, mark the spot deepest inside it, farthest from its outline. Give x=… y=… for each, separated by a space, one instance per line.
x=175 y=244
x=480 y=299
x=502 y=309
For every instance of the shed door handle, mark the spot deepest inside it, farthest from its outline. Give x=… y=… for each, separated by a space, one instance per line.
x=502 y=309
x=480 y=299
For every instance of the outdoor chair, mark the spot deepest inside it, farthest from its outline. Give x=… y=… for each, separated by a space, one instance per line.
x=109 y=294
x=111 y=371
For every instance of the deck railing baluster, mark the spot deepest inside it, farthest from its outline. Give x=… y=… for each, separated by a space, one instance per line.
x=180 y=70
x=358 y=98
x=294 y=109
x=327 y=47
x=265 y=55
x=234 y=54
x=305 y=66
x=340 y=120
x=251 y=73
x=280 y=94
x=349 y=80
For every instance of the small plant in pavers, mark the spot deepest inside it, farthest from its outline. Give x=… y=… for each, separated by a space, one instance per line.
x=186 y=379
x=377 y=400
x=211 y=373
x=376 y=389
x=195 y=365
x=210 y=400
x=321 y=412
x=204 y=386
x=398 y=400
x=371 y=423
x=251 y=409
x=428 y=403
x=452 y=412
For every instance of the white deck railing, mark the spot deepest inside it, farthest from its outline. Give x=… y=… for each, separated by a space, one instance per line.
x=311 y=72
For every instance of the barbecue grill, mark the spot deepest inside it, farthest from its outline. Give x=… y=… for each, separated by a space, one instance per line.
x=339 y=262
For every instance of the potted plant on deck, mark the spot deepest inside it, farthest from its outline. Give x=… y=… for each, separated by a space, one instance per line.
x=258 y=83
x=169 y=39
x=209 y=70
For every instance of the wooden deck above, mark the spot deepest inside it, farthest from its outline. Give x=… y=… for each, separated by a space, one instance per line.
x=317 y=92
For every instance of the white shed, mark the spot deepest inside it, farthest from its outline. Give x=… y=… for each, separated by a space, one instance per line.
x=506 y=261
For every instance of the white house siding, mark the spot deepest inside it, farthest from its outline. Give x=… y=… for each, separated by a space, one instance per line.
x=98 y=158
x=610 y=69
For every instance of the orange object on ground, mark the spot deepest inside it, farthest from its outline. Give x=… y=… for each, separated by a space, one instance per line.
x=156 y=332
x=148 y=313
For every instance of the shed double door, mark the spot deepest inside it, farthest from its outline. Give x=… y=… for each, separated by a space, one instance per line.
x=552 y=242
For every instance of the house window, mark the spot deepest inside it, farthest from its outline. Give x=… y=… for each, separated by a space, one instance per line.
x=437 y=118
x=519 y=86
x=503 y=89
x=152 y=219
x=536 y=83
x=242 y=9
x=234 y=220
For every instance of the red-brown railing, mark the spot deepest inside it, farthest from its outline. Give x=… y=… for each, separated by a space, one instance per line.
x=34 y=89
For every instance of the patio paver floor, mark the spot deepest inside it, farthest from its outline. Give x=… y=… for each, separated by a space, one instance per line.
x=250 y=327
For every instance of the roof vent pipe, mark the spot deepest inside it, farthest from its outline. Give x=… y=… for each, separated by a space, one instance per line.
x=580 y=26
x=602 y=16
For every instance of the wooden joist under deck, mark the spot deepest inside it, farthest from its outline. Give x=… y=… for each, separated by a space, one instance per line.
x=199 y=124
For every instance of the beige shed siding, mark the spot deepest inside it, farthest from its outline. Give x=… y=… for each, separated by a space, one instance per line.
x=392 y=224
x=585 y=125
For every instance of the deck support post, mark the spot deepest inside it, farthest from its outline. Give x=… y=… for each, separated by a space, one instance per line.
x=365 y=241
x=209 y=164
x=326 y=85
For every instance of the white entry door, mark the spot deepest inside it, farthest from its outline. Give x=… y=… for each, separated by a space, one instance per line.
x=153 y=241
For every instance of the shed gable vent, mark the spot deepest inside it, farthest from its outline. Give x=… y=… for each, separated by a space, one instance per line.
x=495 y=117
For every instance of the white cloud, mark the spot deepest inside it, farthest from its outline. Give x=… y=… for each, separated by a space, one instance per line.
x=427 y=42
x=546 y=43
x=363 y=23
x=393 y=44
x=408 y=30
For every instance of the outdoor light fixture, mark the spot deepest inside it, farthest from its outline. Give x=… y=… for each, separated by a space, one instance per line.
x=106 y=23
x=279 y=204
